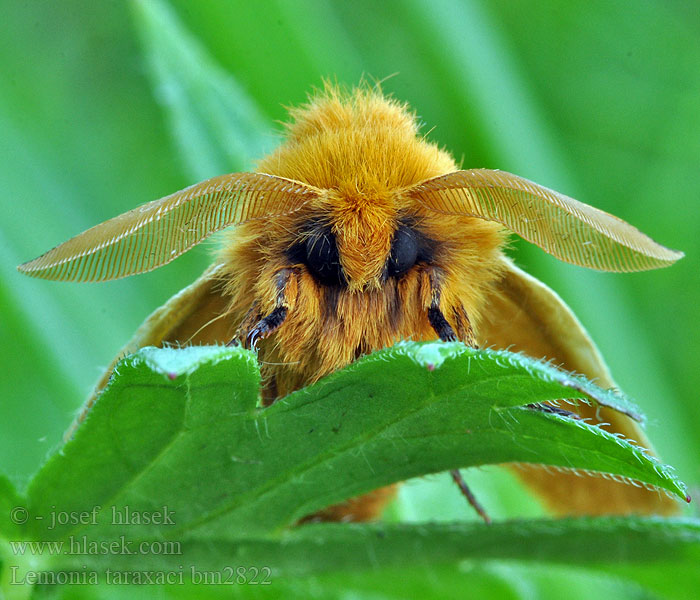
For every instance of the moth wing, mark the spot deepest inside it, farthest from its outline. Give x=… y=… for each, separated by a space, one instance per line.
x=566 y=228
x=527 y=316
x=190 y=317
x=152 y=235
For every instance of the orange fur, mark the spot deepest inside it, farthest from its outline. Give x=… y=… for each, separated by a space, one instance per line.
x=364 y=150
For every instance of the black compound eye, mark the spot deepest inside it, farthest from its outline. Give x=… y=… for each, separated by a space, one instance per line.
x=404 y=251
x=322 y=257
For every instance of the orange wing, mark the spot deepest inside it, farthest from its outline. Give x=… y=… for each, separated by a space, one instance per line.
x=156 y=233
x=192 y=316
x=525 y=315
x=566 y=228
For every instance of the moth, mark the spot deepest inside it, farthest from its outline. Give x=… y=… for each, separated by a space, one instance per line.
x=355 y=233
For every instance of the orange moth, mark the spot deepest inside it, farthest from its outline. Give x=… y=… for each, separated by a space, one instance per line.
x=357 y=233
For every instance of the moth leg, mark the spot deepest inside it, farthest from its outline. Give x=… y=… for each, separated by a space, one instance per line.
x=437 y=319
x=251 y=318
x=447 y=334
x=467 y=493
x=267 y=325
x=548 y=408
x=440 y=325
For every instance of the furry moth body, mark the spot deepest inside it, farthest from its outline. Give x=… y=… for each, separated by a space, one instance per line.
x=356 y=233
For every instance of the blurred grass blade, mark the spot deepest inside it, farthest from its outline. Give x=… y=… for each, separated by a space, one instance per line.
x=11 y=509
x=217 y=127
x=662 y=554
x=493 y=85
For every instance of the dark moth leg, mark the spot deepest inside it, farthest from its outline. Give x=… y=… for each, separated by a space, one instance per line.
x=446 y=333
x=255 y=326
x=555 y=410
x=467 y=493
x=265 y=327
x=251 y=318
x=437 y=319
x=440 y=324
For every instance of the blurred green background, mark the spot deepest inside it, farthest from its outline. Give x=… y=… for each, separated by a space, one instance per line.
x=107 y=105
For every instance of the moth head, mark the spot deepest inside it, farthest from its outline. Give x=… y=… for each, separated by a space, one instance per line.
x=359 y=241
x=362 y=225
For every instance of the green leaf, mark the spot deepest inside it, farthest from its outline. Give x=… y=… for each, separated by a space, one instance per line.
x=179 y=440
x=245 y=471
